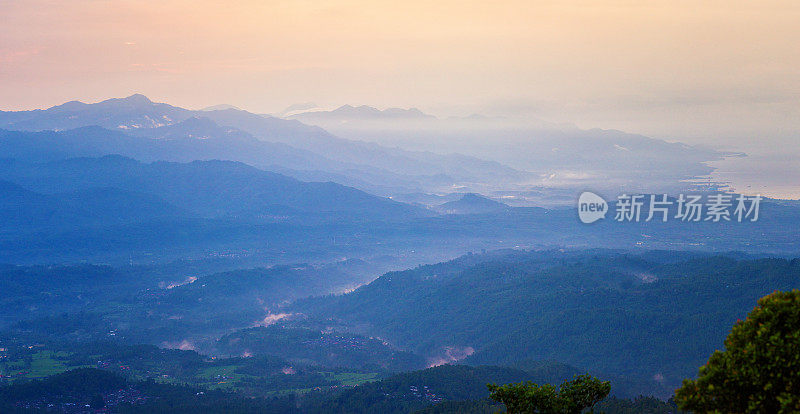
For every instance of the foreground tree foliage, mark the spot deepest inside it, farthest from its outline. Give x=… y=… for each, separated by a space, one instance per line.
x=759 y=370
x=573 y=396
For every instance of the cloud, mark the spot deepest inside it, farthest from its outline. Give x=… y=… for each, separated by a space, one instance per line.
x=271 y=319
x=450 y=354
x=184 y=345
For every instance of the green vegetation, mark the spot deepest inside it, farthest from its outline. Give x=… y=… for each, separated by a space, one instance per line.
x=153 y=304
x=351 y=379
x=46 y=363
x=323 y=348
x=446 y=389
x=641 y=321
x=36 y=363
x=640 y=404
x=644 y=321
x=759 y=370
x=252 y=376
x=459 y=385
x=87 y=386
x=572 y=397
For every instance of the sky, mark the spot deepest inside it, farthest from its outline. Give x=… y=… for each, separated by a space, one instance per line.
x=723 y=73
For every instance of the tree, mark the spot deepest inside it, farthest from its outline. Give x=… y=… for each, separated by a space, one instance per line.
x=759 y=370
x=573 y=396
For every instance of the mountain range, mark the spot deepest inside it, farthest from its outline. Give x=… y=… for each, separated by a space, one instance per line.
x=494 y=156
x=647 y=319
x=558 y=155
x=472 y=203
x=171 y=133
x=207 y=189
x=347 y=113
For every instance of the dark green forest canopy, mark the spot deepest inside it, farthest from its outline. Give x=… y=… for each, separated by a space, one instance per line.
x=646 y=321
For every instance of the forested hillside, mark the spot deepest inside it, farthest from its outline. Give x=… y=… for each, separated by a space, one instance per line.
x=647 y=320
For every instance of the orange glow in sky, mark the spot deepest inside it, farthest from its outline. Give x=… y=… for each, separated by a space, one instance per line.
x=683 y=68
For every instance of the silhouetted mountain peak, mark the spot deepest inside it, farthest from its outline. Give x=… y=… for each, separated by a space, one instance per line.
x=410 y=112
x=68 y=106
x=137 y=98
x=365 y=111
x=473 y=197
x=135 y=101
x=472 y=203
x=220 y=107
x=350 y=110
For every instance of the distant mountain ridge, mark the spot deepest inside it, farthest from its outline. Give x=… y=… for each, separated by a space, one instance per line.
x=363 y=112
x=206 y=188
x=188 y=140
x=556 y=155
x=220 y=107
x=25 y=209
x=472 y=203
x=289 y=145
x=135 y=111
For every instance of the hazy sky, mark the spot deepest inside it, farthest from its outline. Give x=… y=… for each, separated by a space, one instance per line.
x=712 y=71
